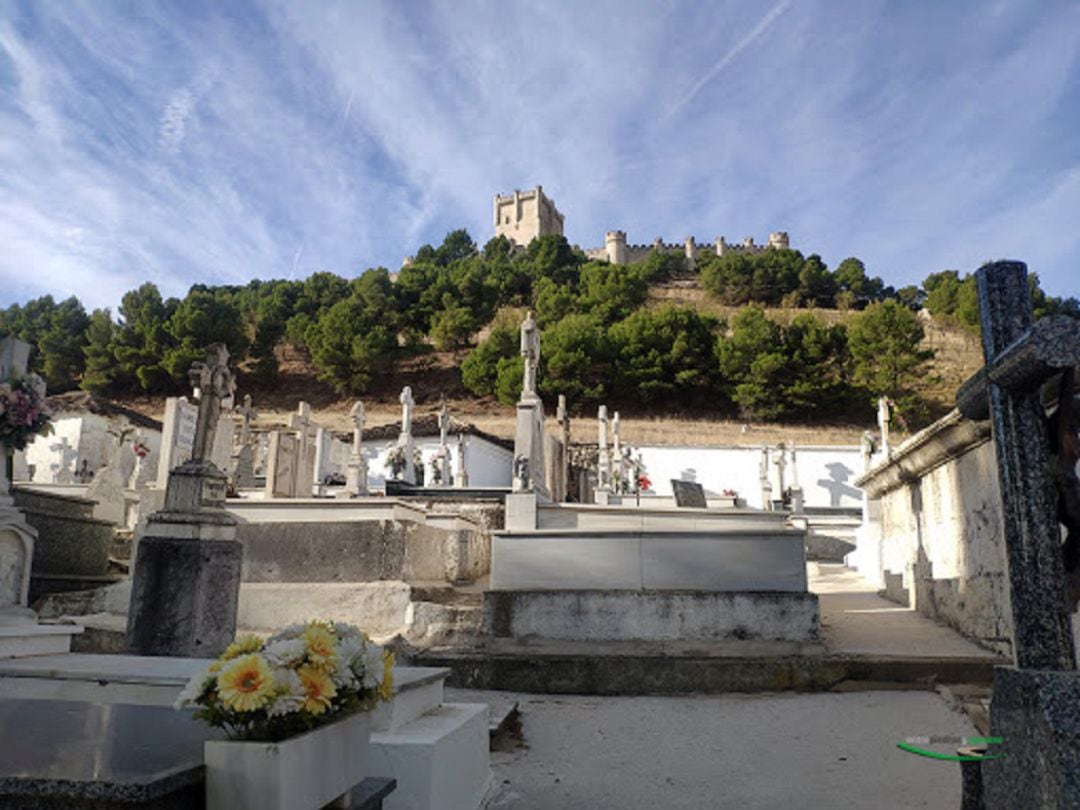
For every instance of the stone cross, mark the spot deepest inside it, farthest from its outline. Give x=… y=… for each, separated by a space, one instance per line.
x=616 y=448
x=216 y=385
x=444 y=424
x=407 y=404
x=356 y=482
x=461 y=476
x=883 y=424
x=562 y=417
x=405 y=440
x=247 y=413
x=530 y=351
x=781 y=463
x=1020 y=356
x=603 y=458
x=763 y=478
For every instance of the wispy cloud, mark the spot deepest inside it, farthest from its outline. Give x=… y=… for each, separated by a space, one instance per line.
x=202 y=143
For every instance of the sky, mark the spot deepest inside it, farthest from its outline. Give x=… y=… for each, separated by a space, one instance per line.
x=217 y=142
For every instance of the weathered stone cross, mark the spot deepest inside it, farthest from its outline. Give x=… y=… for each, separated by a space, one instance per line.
x=216 y=385
x=1020 y=357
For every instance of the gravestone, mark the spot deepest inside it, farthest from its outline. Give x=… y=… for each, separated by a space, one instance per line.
x=1035 y=704
x=243 y=460
x=689 y=494
x=282 y=459
x=17 y=537
x=528 y=468
x=883 y=420
x=186 y=583
x=177 y=436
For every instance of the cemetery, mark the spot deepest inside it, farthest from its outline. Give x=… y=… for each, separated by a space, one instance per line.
x=530 y=566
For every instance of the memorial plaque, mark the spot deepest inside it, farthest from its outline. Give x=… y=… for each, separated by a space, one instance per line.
x=689 y=494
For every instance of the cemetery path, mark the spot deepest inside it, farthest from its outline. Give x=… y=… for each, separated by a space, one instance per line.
x=856 y=621
x=746 y=751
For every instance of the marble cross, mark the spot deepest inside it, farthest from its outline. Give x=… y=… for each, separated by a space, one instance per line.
x=216 y=386
x=1021 y=355
x=407 y=404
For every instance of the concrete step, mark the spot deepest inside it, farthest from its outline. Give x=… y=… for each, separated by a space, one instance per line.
x=503 y=708
x=35 y=640
x=620 y=670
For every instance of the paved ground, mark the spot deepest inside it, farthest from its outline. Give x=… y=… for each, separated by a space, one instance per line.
x=735 y=751
x=854 y=619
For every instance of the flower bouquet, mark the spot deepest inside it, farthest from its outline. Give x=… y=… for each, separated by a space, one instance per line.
x=23 y=414
x=301 y=678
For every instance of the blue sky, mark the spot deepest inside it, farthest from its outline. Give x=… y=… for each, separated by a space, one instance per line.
x=217 y=142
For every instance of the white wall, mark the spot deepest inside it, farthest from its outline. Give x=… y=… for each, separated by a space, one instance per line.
x=89 y=434
x=487 y=464
x=826 y=474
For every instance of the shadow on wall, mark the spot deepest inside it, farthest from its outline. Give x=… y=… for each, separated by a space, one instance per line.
x=837 y=485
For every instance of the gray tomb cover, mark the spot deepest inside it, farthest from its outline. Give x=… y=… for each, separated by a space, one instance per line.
x=688 y=493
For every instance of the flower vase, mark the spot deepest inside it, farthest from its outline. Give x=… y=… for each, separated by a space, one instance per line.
x=307 y=771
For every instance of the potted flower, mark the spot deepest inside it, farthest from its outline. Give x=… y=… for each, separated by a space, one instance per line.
x=295 y=708
x=23 y=415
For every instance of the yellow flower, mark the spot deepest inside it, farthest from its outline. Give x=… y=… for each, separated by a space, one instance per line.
x=318 y=689
x=242 y=646
x=245 y=683
x=386 y=688
x=321 y=647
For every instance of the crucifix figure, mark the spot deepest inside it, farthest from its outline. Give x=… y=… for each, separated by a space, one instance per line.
x=530 y=351
x=216 y=385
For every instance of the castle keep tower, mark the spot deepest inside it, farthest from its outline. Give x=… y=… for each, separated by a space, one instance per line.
x=525 y=215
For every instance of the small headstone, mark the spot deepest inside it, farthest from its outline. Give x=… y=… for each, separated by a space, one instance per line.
x=177 y=437
x=689 y=494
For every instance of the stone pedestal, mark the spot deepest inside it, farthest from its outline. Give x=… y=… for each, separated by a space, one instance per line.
x=529 y=448
x=186 y=583
x=1037 y=715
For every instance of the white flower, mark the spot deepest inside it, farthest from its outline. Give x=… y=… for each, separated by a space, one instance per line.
x=374 y=666
x=285 y=652
x=289 y=693
x=194 y=689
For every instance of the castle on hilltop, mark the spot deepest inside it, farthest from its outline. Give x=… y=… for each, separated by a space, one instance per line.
x=525 y=215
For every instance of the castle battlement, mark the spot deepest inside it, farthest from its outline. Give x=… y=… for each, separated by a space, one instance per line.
x=617 y=251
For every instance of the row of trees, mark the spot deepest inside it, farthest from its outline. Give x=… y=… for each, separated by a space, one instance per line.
x=600 y=339
x=675 y=357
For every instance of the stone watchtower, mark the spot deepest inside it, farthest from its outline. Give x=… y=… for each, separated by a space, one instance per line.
x=525 y=215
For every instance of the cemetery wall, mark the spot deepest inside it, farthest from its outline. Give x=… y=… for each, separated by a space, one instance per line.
x=826 y=474
x=487 y=464
x=938 y=532
x=90 y=436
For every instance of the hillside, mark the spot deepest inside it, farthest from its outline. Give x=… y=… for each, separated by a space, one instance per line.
x=435 y=374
